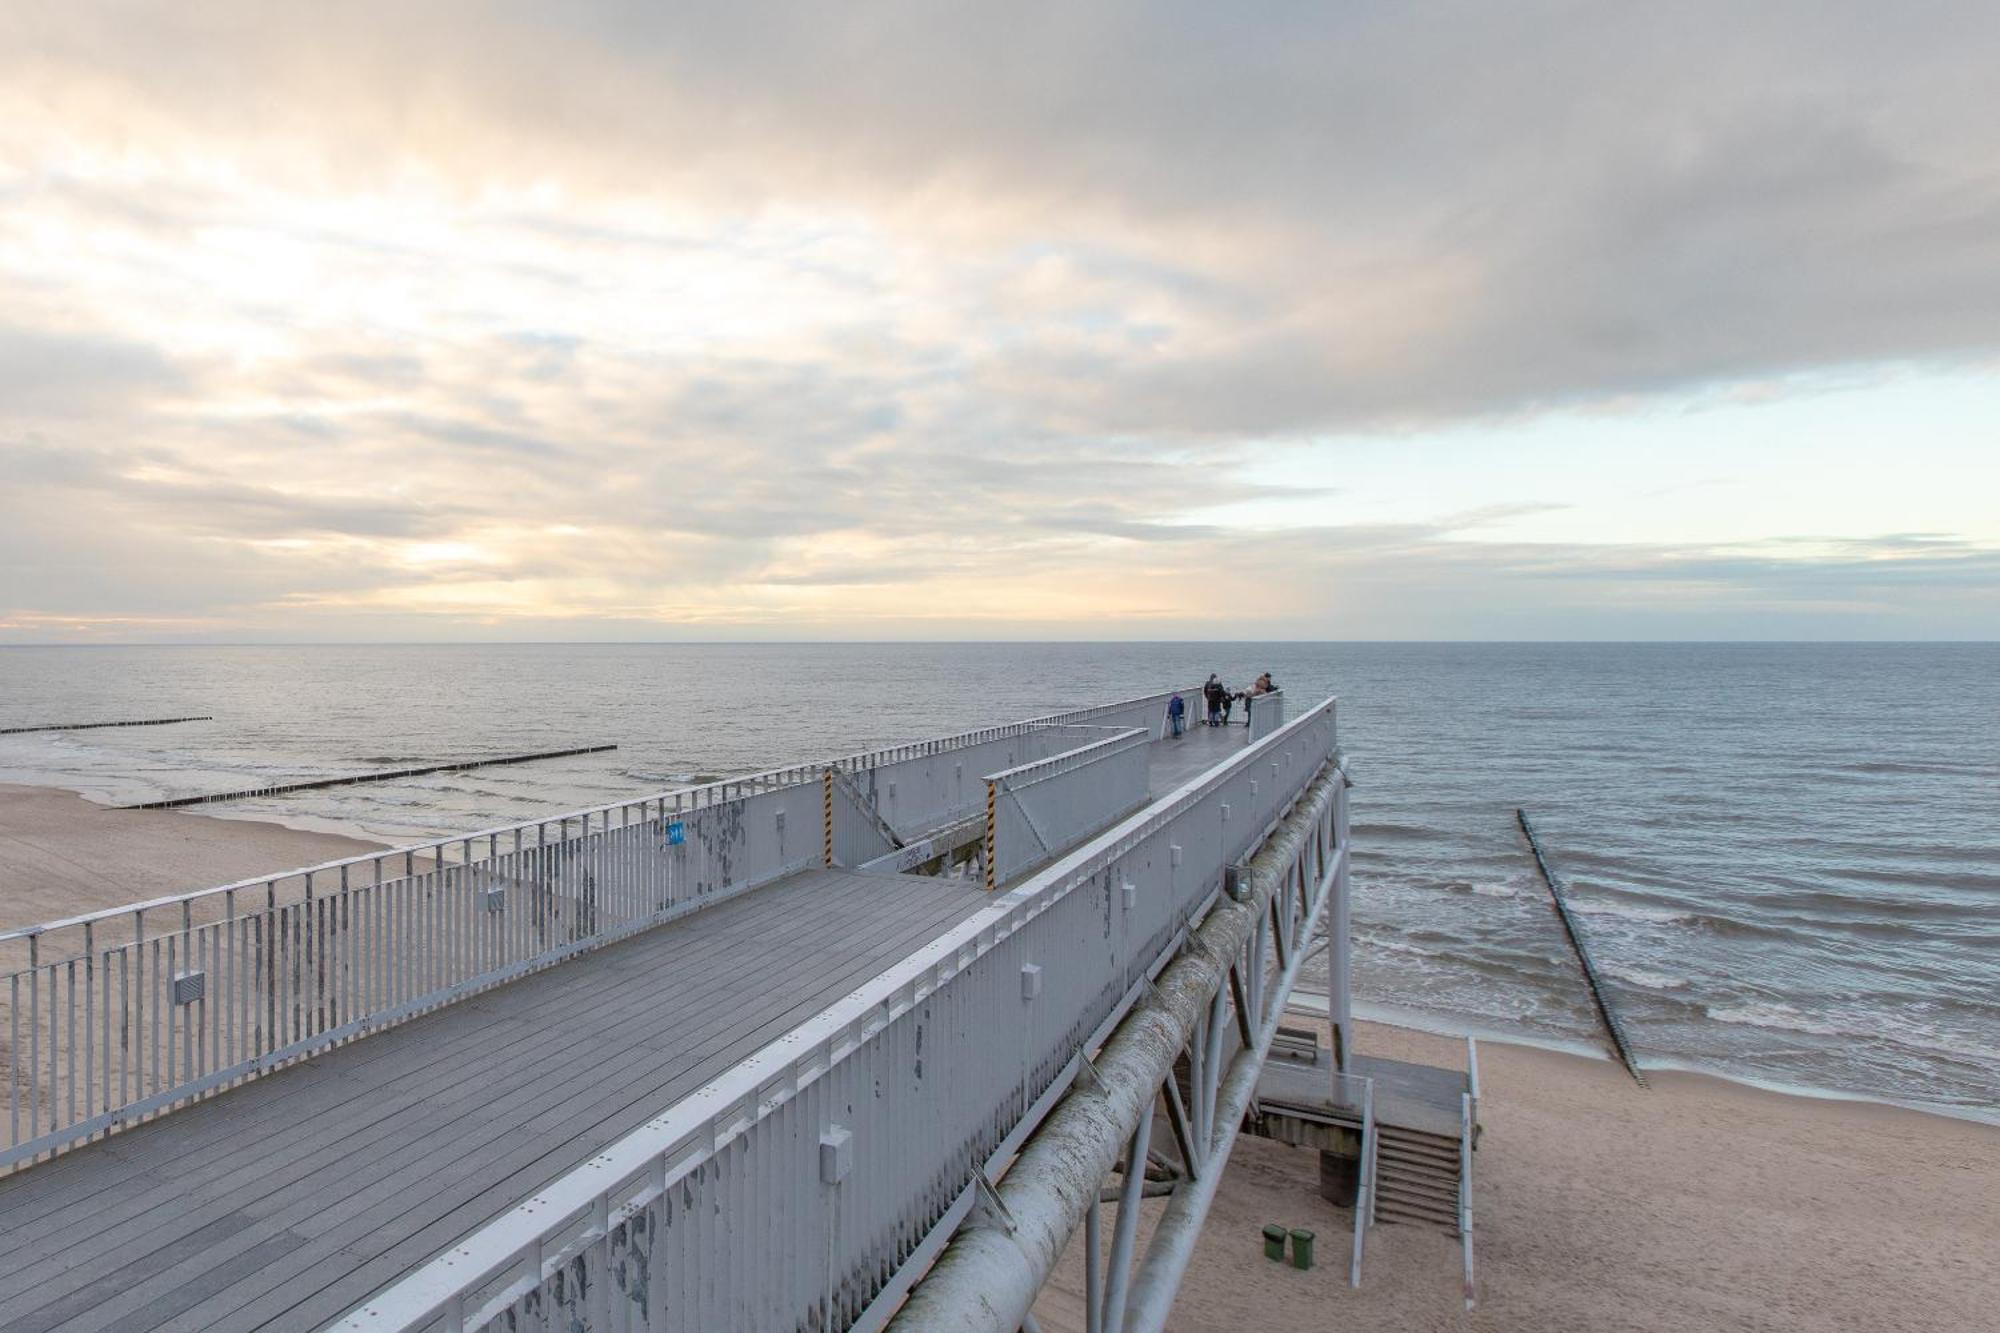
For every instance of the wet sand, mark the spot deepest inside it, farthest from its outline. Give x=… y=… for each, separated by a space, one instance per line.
x=1697 y=1205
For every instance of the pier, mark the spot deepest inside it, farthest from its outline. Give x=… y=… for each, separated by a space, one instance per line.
x=718 y=1057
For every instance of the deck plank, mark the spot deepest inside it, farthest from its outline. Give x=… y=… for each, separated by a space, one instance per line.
x=229 y=1213
x=442 y=1049
x=287 y=1200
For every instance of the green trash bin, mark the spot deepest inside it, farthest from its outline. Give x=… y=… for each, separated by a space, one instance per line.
x=1274 y=1243
x=1302 y=1248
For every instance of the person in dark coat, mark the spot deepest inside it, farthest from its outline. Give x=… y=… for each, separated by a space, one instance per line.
x=1214 y=693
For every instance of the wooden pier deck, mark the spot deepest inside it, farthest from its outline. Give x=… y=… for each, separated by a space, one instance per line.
x=285 y=1202
x=291 y=1198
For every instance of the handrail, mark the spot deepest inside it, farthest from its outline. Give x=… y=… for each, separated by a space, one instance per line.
x=693 y=797
x=1083 y=813
x=1465 y=1188
x=1269 y=704
x=1364 y=1195
x=684 y=798
x=1118 y=741
x=1472 y=1078
x=124 y=1012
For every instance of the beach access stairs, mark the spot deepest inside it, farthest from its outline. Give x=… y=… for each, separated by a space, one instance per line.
x=1396 y=1139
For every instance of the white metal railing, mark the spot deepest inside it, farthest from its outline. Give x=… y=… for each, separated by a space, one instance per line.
x=144 y=1013
x=1036 y=810
x=1345 y=1086
x=858 y=1138
x=1147 y=710
x=916 y=793
x=118 y=1014
x=1465 y=1189
x=1472 y=1079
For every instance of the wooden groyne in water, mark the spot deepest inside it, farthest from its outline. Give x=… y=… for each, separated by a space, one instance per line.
x=93 y=726
x=176 y=802
x=1604 y=1009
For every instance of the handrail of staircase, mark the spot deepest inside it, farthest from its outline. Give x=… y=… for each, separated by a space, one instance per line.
x=1364 y=1198
x=1472 y=1079
x=1465 y=1188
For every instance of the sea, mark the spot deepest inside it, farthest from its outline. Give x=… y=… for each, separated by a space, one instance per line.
x=1785 y=857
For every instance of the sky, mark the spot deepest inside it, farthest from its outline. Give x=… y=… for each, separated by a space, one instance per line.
x=623 y=321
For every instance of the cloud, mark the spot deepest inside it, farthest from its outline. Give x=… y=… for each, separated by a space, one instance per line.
x=49 y=374
x=808 y=315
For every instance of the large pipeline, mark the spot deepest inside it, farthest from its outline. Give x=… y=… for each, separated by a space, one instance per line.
x=1158 y=1280
x=987 y=1278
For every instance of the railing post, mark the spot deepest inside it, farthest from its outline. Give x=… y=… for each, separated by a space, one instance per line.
x=992 y=830
x=1465 y=1189
x=826 y=807
x=1340 y=940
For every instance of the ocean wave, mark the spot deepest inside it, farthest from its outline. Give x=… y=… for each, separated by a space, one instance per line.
x=1639 y=976
x=1663 y=916
x=1776 y=1016
x=1710 y=922
x=1921 y=768
x=1483 y=890
x=1397 y=832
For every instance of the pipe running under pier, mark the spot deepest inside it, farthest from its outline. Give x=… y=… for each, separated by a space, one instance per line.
x=987 y=1278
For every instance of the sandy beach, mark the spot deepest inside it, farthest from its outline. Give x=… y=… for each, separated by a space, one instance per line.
x=61 y=855
x=1697 y=1204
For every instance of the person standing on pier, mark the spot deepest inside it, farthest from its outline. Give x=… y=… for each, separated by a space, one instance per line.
x=1261 y=685
x=1214 y=694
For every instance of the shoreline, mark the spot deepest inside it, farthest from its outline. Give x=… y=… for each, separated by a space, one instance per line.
x=173 y=851
x=63 y=854
x=1440 y=1025
x=1701 y=1202
x=1695 y=1203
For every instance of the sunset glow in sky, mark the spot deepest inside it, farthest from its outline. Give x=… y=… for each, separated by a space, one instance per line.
x=611 y=321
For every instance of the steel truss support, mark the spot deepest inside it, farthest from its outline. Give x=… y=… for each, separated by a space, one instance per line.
x=987 y=1278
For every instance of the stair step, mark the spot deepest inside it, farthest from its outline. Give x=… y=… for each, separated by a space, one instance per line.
x=1389 y=1212
x=1397 y=1134
x=1434 y=1192
x=1426 y=1149
x=1418 y=1166
x=1417 y=1147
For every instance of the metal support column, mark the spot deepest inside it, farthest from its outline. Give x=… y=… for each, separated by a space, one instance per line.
x=1128 y=1224
x=1340 y=943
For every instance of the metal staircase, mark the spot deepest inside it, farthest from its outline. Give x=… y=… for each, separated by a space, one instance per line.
x=1417 y=1178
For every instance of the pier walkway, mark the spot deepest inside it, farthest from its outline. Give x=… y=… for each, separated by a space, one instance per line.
x=327 y=1175
x=293 y=1197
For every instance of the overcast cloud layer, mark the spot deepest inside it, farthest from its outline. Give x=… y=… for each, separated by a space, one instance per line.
x=475 y=320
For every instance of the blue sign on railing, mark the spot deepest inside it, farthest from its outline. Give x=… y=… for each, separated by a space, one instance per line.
x=676 y=834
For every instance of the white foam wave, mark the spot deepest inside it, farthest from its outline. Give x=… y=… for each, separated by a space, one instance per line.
x=1630 y=912
x=1773 y=1015
x=1639 y=976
